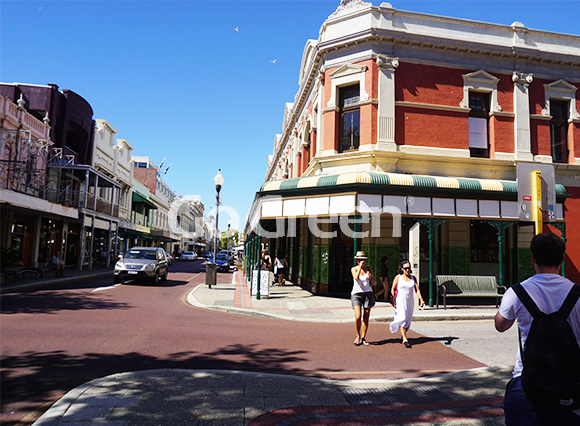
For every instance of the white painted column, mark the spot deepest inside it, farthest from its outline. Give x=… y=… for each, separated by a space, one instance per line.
x=386 y=109
x=523 y=142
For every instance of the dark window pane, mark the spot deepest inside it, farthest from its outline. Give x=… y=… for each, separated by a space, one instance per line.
x=350 y=130
x=559 y=131
x=349 y=96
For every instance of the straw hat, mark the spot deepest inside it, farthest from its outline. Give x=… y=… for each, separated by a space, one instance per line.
x=360 y=255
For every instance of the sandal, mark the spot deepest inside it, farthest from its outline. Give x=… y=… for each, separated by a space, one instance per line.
x=364 y=342
x=406 y=343
x=357 y=341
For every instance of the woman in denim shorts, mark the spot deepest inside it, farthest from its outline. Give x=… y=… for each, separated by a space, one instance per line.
x=362 y=297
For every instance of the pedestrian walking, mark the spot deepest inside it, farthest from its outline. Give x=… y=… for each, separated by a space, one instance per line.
x=280 y=264
x=404 y=285
x=362 y=297
x=541 y=298
x=265 y=261
x=386 y=290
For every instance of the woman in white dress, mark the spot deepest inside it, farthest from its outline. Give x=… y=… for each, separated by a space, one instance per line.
x=402 y=290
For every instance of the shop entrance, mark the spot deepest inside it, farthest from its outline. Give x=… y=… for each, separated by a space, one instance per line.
x=342 y=255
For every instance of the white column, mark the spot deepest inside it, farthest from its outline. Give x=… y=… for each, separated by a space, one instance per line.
x=386 y=109
x=523 y=143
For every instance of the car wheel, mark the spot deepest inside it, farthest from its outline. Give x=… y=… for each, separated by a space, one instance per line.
x=164 y=277
x=116 y=280
x=155 y=279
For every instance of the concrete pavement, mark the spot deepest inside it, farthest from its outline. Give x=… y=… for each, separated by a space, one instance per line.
x=215 y=397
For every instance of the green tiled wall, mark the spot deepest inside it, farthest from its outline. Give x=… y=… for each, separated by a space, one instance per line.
x=324 y=263
x=316 y=264
x=455 y=260
x=525 y=268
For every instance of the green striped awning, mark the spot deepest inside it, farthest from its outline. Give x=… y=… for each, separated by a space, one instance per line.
x=395 y=181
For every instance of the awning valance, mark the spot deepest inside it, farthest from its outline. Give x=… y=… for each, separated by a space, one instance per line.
x=395 y=182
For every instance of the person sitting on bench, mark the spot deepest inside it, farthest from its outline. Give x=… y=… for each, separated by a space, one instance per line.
x=56 y=264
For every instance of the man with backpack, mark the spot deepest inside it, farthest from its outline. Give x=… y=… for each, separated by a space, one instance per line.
x=545 y=388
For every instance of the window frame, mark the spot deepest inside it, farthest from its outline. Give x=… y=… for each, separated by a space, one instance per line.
x=352 y=109
x=483 y=114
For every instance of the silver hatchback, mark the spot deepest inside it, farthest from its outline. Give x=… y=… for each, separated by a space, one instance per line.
x=142 y=264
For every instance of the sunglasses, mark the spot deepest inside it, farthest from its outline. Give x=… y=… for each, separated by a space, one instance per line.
x=408 y=268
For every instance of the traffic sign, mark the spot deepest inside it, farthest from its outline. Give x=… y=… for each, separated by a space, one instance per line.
x=525 y=176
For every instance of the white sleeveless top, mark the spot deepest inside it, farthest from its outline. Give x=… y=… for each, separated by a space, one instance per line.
x=363 y=284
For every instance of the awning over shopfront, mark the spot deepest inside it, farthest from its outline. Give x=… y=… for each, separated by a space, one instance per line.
x=391 y=193
x=396 y=182
x=164 y=235
x=139 y=198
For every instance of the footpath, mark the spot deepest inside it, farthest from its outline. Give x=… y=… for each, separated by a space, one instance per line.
x=218 y=397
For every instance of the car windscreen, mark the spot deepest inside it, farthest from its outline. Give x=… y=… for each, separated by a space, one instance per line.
x=141 y=254
x=221 y=257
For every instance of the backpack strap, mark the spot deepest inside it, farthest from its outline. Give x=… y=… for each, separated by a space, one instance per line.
x=530 y=306
x=527 y=301
x=570 y=301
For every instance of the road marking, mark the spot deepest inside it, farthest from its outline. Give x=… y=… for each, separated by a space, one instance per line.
x=106 y=288
x=196 y=275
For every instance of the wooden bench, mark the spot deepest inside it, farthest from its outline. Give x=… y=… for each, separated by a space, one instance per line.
x=468 y=286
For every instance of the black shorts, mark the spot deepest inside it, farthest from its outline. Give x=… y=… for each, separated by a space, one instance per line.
x=366 y=300
x=281 y=271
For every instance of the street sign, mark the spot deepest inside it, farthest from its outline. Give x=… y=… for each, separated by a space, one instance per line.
x=525 y=176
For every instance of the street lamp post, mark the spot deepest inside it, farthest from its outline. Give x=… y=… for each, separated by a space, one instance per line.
x=229 y=224
x=219 y=181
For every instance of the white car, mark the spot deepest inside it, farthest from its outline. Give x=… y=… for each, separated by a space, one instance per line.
x=189 y=255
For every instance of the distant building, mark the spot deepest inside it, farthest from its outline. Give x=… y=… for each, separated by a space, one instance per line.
x=149 y=174
x=419 y=121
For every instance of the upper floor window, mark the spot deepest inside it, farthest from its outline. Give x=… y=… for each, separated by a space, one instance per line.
x=349 y=97
x=479 y=124
x=559 y=130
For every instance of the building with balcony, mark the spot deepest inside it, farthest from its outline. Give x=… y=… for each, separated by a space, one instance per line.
x=65 y=177
x=403 y=140
x=28 y=221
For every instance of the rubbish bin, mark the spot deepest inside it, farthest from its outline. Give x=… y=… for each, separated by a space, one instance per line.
x=210 y=274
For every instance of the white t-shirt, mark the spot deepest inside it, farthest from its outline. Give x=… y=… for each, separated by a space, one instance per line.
x=548 y=292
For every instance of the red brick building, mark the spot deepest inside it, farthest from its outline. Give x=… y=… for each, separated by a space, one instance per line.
x=412 y=118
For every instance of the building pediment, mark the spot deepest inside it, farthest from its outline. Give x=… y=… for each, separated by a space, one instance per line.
x=348 y=69
x=561 y=86
x=480 y=76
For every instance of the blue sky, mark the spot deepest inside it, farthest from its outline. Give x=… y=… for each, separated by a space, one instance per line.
x=175 y=79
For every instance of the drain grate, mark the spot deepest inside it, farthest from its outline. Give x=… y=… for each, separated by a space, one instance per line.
x=415 y=395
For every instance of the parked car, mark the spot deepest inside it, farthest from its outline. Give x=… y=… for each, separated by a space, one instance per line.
x=142 y=264
x=169 y=257
x=222 y=263
x=189 y=255
x=207 y=254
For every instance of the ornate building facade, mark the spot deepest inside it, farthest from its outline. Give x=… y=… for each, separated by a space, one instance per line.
x=404 y=139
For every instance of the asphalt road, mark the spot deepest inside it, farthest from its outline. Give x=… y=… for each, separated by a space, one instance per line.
x=55 y=339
